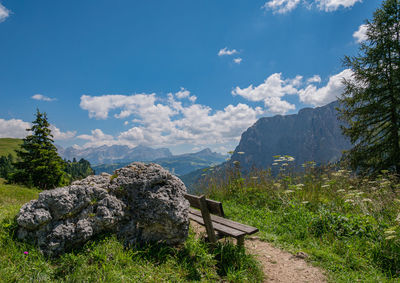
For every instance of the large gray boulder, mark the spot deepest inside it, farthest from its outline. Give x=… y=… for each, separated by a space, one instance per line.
x=141 y=203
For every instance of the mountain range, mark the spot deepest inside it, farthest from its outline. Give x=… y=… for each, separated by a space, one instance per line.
x=114 y=154
x=313 y=134
x=109 y=158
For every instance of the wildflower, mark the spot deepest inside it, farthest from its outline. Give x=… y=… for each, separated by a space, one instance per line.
x=367 y=200
x=288 y=191
x=285 y=164
x=398 y=218
x=26 y=252
x=241 y=152
x=390 y=237
x=340 y=191
x=305 y=202
x=390 y=232
x=349 y=200
x=277 y=185
x=300 y=185
x=290 y=159
x=254 y=177
x=236 y=162
x=325 y=186
x=274 y=164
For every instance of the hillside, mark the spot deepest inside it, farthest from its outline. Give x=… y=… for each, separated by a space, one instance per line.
x=9 y=145
x=313 y=134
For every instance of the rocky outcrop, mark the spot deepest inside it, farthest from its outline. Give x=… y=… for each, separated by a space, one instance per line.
x=141 y=203
x=310 y=135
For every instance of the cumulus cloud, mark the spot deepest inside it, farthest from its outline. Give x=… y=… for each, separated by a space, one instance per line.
x=14 y=128
x=333 y=5
x=271 y=92
x=361 y=34
x=42 y=97
x=160 y=122
x=4 y=13
x=226 y=51
x=285 y=6
x=237 y=60
x=59 y=135
x=281 y=6
x=314 y=79
x=328 y=93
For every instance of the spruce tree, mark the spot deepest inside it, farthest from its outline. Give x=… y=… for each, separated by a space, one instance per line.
x=39 y=163
x=370 y=104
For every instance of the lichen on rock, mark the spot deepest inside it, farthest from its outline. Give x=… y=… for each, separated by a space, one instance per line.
x=141 y=203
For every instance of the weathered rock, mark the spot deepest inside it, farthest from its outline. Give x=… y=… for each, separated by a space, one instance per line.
x=141 y=203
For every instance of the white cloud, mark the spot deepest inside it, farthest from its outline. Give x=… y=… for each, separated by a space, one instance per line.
x=42 y=97
x=281 y=6
x=271 y=92
x=237 y=60
x=14 y=128
x=4 y=13
x=97 y=138
x=183 y=93
x=333 y=5
x=226 y=51
x=314 y=79
x=361 y=34
x=285 y=6
x=169 y=122
x=59 y=135
x=328 y=93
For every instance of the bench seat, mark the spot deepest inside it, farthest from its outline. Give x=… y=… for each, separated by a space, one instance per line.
x=211 y=216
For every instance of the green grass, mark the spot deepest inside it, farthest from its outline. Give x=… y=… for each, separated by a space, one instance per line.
x=106 y=260
x=9 y=145
x=349 y=226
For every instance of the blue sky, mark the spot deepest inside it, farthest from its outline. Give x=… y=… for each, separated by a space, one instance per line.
x=176 y=73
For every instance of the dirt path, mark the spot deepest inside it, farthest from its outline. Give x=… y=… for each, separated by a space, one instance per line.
x=278 y=265
x=281 y=266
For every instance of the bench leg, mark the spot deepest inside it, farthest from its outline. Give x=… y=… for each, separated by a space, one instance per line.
x=240 y=241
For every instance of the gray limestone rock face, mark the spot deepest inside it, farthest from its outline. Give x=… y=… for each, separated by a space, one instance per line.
x=141 y=203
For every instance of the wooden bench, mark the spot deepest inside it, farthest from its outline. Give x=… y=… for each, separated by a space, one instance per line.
x=211 y=215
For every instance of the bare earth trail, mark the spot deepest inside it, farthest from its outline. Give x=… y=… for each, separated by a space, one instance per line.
x=281 y=266
x=278 y=265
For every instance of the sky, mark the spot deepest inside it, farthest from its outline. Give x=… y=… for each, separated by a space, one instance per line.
x=180 y=74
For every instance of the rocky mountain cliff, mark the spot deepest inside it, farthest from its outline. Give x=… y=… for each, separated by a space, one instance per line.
x=310 y=135
x=114 y=154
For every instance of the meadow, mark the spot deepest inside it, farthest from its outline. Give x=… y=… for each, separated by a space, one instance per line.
x=347 y=224
x=106 y=260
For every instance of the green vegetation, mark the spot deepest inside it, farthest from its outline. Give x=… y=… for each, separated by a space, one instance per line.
x=76 y=170
x=106 y=260
x=8 y=146
x=38 y=162
x=370 y=105
x=347 y=224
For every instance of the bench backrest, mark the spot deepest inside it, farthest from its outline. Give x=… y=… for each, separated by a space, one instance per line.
x=214 y=207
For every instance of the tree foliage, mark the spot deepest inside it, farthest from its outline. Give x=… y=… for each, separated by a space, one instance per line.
x=370 y=104
x=77 y=170
x=38 y=162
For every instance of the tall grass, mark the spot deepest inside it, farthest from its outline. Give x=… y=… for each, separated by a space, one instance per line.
x=105 y=259
x=349 y=225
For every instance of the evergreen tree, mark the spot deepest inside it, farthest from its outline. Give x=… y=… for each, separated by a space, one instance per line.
x=39 y=164
x=370 y=104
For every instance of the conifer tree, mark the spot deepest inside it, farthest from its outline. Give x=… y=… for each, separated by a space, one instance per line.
x=39 y=163
x=370 y=104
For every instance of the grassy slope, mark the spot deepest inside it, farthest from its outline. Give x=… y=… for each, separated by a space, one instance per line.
x=106 y=260
x=348 y=226
x=8 y=145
